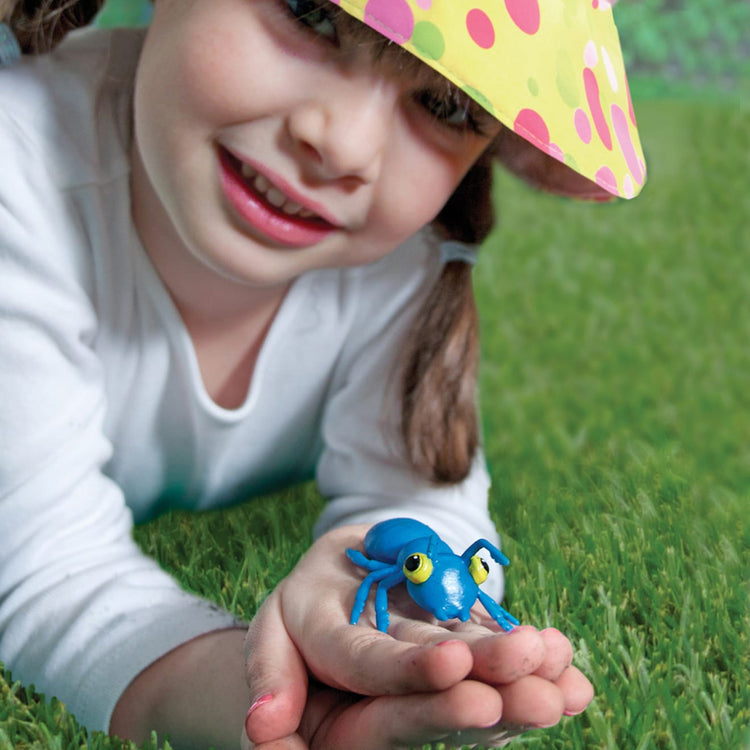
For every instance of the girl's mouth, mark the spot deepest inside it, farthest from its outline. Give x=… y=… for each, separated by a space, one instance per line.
x=268 y=209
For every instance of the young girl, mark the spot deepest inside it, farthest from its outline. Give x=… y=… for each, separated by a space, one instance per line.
x=234 y=256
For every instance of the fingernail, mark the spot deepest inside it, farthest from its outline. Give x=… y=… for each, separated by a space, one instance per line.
x=572 y=713
x=490 y=724
x=450 y=642
x=260 y=702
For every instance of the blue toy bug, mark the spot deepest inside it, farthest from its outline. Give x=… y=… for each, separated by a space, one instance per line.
x=445 y=584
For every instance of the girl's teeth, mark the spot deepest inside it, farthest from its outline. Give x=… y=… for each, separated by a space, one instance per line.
x=273 y=195
x=276 y=197
x=247 y=171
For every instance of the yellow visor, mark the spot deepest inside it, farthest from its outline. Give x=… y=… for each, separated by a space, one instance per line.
x=550 y=70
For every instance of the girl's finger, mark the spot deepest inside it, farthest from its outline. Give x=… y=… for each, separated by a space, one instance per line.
x=532 y=701
x=497 y=657
x=276 y=674
x=363 y=660
x=576 y=689
x=412 y=720
x=502 y=658
x=558 y=654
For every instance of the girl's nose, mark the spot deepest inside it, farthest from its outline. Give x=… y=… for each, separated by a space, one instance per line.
x=341 y=132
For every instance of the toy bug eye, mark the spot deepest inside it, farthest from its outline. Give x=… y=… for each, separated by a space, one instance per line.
x=479 y=569
x=417 y=568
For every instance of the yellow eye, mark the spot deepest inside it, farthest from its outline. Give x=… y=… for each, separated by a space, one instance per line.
x=479 y=569
x=417 y=568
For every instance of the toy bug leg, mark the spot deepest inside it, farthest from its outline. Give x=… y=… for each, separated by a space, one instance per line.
x=365 y=562
x=378 y=571
x=360 y=599
x=501 y=616
x=497 y=555
x=381 y=599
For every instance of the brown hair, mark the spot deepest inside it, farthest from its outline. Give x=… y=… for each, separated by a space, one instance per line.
x=439 y=422
x=40 y=25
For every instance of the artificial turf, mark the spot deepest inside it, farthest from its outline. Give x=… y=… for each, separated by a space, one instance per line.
x=616 y=407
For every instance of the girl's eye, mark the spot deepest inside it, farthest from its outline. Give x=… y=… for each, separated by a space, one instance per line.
x=450 y=111
x=314 y=15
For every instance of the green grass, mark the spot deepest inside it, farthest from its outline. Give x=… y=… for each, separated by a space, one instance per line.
x=615 y=400
x=616 y=409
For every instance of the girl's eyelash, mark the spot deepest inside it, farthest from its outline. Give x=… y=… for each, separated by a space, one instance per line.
x=313 y=15
x=452 y=110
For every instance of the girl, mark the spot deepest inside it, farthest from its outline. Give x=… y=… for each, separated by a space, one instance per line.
x=221 y=273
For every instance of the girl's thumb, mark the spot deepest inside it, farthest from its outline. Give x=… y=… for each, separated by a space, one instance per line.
x=276 y=675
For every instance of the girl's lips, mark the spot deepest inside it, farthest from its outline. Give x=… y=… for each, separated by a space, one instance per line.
x=294 y=230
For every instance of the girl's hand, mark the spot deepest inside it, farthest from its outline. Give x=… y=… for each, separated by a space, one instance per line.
x=427 y=681
x=336 y=720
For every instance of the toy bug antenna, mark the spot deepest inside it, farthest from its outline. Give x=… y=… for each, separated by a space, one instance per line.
x=497 y=555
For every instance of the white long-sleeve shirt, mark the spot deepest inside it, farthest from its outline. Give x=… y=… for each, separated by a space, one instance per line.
x=103 y=415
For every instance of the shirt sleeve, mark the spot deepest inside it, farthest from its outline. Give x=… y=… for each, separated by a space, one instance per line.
x=82 y=610
x=363 y=470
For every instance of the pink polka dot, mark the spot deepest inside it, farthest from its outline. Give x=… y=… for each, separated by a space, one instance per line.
x=480 y=28
x=583 y=126
x=630 y=103
x=392 y=18
x=556 y=152
x=590 y=55
x=531 y=125
x=605 y=178
x=525 y=14
x=424 y=4
x=628 y=188
x=595 y=107
x=610 y=68
x=620 y=122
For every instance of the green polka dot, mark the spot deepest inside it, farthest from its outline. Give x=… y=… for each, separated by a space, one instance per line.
x=479 y=98
x=571 y=162
x=533 y=86
x=567 y=84
x=428 y=39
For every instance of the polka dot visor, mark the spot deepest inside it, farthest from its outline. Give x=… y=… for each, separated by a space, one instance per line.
x=551 y=70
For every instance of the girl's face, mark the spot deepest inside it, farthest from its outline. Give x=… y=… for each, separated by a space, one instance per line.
x=268 y=143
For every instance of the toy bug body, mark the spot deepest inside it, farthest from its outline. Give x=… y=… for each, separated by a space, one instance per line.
x=402 y=550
